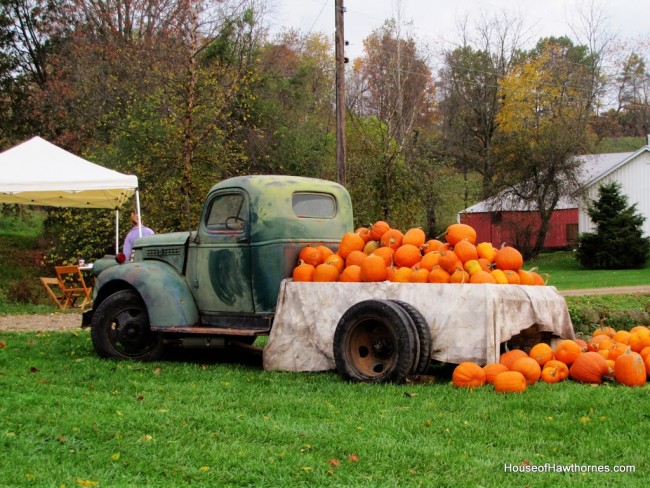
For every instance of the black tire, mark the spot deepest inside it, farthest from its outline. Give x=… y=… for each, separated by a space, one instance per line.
x=374 y=343
x=120 y=329
x=424 y=335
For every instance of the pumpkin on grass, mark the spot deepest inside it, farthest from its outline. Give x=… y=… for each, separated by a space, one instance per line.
x=529 y=368
x=542 y=353
x=567 y=351
x=510 y=382
x=468 y=375
x=562 y=368
x=629 y=369
x=509 y=357
x=589 y=367
x=493 y=369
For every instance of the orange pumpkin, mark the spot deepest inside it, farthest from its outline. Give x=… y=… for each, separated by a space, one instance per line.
x=438 y=275
x=326 y=273
x=459 y=276
x=509 y=357
x=541 y=352
x=336 y=260
x=567 y=351
x=512 y=277
x=562 y=368
x=403 y=275
x=639 y=339
x=351 y=274
x=355 y=257
x=538 y=280
x=434 y=245
x=508 y=258
x=324 y=252
x=493 y=369
x=407 y=255
x=364 y=232
x=391 y=238
x=550 y=375
x=350 y=242
x=608 y=331
x=468 y=375
x=589 y=367
x=482 y=277
x=525 y=277
x=449 y=261
x=647 y=364
x=415 y=237
x=510 y=382
x=529 y=368
x=629 y=369
x=310 y=255
x=378 y=229
x=486 y=251
x=373 y=269
x=386 y=253
x=304 y=272
x=622 y=336
x=465 y=251
x=420 y=275
x=457 y=232
x=430 y=260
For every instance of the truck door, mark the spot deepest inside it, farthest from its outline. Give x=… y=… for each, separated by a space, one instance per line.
x=219 y=258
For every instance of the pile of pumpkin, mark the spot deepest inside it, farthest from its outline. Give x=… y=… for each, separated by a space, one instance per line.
x=380 y=253
x=609 y=355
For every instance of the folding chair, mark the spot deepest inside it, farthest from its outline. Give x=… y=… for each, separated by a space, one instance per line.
x=55 y=290
x=73 y=286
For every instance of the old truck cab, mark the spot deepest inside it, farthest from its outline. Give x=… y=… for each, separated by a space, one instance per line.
x=219 y=283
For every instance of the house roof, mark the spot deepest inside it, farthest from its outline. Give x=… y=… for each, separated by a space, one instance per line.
x=595 y=167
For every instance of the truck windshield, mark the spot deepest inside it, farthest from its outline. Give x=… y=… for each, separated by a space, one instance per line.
x=228 y=212
x=314 y=205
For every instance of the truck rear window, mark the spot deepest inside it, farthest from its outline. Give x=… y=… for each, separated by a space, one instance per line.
x=314 y=205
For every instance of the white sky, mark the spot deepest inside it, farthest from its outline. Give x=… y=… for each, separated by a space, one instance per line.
x=434 y=21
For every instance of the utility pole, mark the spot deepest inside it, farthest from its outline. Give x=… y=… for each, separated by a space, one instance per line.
x=340 y=92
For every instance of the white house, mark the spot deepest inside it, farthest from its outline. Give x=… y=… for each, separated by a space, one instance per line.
x=631 y=170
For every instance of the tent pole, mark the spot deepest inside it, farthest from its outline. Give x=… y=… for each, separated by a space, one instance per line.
x=117 y=232
x=137 y=206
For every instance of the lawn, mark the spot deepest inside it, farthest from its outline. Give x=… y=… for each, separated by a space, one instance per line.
x=70 y=419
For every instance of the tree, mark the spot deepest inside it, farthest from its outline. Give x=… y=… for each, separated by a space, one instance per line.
x=618 y=242
x=543 y=126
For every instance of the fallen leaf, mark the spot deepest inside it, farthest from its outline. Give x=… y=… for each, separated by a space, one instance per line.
x=34 y=369
x=147 y=438
x=157 y=370
x=62 y=439
x=116 y=456
x=140 y=398
x=3 y=344
x=353 y=458
x=307 y=468
x=334 y=462
x=204 y=468
x=584 y=420
x=410 y=395
x=86 y=483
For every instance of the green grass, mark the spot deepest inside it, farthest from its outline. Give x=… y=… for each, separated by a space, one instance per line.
x=70 y=419
x=565 y=273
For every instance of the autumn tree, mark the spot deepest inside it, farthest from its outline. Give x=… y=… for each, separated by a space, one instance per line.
x=543 y=126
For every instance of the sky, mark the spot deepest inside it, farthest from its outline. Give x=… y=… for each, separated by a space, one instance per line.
x=434 y=21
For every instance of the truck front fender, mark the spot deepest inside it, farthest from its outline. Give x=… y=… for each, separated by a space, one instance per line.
x=167 y=296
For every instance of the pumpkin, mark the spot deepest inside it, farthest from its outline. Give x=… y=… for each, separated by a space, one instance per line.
x=430 y=260
x=310 y=255
x=449 y=261
x=355 y=257
x=582 y=344
x=370 y=247
x=350 y=242
x=509 y=357
x=562 y=368
x=468 y=375
x=324 y=252
x=622 y=336
x=616 y=350
x=647 y=364
x=608 y=331
x=472 y=266
x=438 y=275
x=529 y=368
x=457 y=232
x=482 y=277
x=629 y=369
x=403 y=275
x=304 y=272
x=493 y=369
x=645 y=352
x=508 y=258
x=434 y=245
x=386 y=253
x=512 y=277
x=486 y=251
x=499 y=277
x=525 y=277
x=541 y=352
x=419 y=275
x=465 y=251
x=510 y=382
x=459 y=276
x=538 y=280
x=567 y=351
x=378 y=229
x=336 y=260
x=550 y=374
x=351 y=274
x=611 y=366
x=326 y=273
x=414 y=236
x=364 y=232
x=594 y=343
x=391 y=238
x=589 y=367
x=407 y=255
x=639 y=339
x=373 y=269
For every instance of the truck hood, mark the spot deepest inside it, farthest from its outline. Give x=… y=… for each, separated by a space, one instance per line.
x=162 y=240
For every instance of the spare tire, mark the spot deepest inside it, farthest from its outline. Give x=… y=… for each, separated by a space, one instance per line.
x=421 y=363
x=374 y=342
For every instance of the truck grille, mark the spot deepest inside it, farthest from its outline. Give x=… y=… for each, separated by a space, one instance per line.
x=162 y=252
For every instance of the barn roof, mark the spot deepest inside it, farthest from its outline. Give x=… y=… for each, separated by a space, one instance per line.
x=595 y=167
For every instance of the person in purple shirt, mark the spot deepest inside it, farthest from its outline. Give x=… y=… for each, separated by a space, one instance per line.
x=134 y=234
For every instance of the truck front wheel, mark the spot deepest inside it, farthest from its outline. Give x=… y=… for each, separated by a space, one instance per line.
x=375 y=342
x=120 y=329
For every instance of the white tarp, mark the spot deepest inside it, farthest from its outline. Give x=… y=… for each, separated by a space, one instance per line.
x=37 y=172
x=468 y=322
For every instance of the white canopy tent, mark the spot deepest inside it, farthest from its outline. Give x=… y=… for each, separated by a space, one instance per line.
x=37 y=172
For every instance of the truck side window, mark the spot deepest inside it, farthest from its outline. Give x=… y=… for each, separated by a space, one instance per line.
x=314 y=205
x=228 y=212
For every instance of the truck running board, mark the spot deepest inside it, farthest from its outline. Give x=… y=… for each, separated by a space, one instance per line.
x=211 y=331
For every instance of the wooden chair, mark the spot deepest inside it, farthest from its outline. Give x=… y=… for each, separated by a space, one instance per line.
x=55 y=290
x=73 y=286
